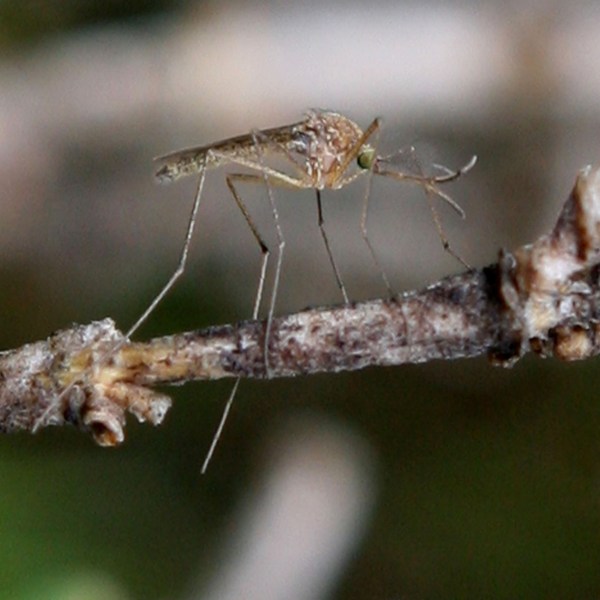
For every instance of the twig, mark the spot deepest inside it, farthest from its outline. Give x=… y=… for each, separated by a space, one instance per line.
x=543 y=298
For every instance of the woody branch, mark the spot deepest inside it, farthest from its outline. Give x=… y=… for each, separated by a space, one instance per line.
x=542 y=298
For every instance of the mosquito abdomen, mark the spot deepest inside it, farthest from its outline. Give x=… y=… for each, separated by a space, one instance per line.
x=249 y=147
x=182 y=163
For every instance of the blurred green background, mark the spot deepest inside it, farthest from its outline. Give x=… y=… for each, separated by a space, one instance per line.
x=447 y=480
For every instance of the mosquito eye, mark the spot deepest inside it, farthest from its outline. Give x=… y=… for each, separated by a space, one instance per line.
x=366 y=158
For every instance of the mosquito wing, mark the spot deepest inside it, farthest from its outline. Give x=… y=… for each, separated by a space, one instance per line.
x=249 y=147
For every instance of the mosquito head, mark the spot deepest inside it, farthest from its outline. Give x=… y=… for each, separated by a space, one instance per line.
x=366 y=157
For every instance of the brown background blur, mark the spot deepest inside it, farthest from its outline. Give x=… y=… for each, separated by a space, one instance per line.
x=448 y=480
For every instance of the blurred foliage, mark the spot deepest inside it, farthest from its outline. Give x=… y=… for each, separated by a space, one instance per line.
x=31 y=21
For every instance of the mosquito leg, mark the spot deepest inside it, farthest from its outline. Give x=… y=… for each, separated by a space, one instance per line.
x=221 y=426
x=338 y=277
x=440 y=229
x=430 y=182
x=266 y=177
x=157 y=299
x=430 y=185
x=230 y=179
x=431 y=189
x=365 y=236
x=372 y=132
x=182 y=259
x=364 y=219
x=450 y=175
x=280 y=246
x=271 y=177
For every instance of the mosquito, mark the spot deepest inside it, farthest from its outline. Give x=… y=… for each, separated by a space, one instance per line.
x=325 y=150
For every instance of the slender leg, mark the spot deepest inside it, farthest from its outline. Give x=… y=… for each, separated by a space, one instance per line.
x=431 y=189
x=372 y=132
x=440 y=228
x=363 y=225
x=374 y=258
x=338 y=277
x=221 y=426
x=430 y=185
x=157 y=299
x=262 y=143
x=182 y=259
x=430 y=182
x=230 y=179
x=280 y=243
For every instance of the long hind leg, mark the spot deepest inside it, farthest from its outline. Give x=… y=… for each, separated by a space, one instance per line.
x=231 y=179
